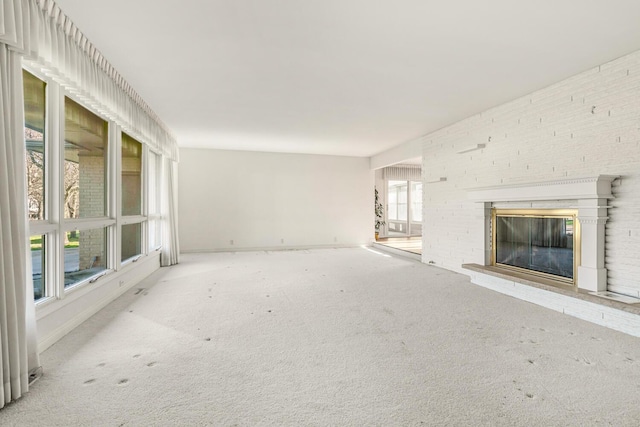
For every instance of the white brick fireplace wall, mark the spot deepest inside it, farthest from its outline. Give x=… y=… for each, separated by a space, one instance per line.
x=587 y=125
x=589 y=196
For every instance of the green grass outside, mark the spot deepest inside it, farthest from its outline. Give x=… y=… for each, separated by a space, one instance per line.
x=36 y=242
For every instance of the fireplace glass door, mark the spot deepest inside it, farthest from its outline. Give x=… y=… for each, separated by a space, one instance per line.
x=536 y=242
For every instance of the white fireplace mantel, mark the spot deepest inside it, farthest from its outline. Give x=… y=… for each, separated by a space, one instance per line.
x=588 y=195
x=598 y=187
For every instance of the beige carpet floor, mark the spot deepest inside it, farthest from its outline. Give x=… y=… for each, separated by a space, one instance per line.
x=335 y=337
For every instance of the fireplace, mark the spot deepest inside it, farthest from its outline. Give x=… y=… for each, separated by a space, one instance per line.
x=542 y=242
x=554 y=228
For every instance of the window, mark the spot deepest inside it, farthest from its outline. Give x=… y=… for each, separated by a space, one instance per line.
x=87 y=201
x=131 y=240
x=154 y=201
x=131 y=192
x=131 y=176
x=85 y=254
x=35 y=105
x=402 y=201
x=397 y=196
x=392 y=203
x=34 y=113
x=84 y=193
x=37 y=265
x=404 y=208
x=85 y=162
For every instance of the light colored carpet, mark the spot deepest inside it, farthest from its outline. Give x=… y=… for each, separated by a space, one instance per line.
x=340 y=337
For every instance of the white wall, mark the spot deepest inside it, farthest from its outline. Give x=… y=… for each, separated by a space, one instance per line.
x=583 y=126
x=239 y=200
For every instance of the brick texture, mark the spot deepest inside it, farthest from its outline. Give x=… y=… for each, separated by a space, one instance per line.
x=586 y=125
x=92 y=205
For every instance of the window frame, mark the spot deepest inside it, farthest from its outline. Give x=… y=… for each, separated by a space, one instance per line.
x=81 y=224
x=142 y=218
x=154 y=218
x=47 y=227
x=55 y=225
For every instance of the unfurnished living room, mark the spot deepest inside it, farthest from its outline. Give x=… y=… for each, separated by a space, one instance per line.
x=319 y=213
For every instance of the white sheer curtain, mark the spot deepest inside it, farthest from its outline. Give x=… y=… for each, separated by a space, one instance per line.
x=17 y=313
x=38 y=32
x=170 y=248
x=52 y=42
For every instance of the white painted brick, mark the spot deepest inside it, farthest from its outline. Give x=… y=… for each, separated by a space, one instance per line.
x=549 y=134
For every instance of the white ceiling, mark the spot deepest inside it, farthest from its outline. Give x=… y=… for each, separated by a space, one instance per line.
x=344 y=77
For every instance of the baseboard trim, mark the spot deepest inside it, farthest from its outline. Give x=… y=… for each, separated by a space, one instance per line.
x=272 y=248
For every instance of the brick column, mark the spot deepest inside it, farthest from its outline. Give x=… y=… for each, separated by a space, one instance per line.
x=92 y=205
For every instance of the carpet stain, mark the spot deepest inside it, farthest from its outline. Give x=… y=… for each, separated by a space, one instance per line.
x=91 y=381
x=152 y=364
x=135 y=356
x=207 y=339
x=123 y=381
x=101 y=365
x=583 y=360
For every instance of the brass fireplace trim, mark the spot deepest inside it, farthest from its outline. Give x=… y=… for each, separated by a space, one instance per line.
x=540 y=213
